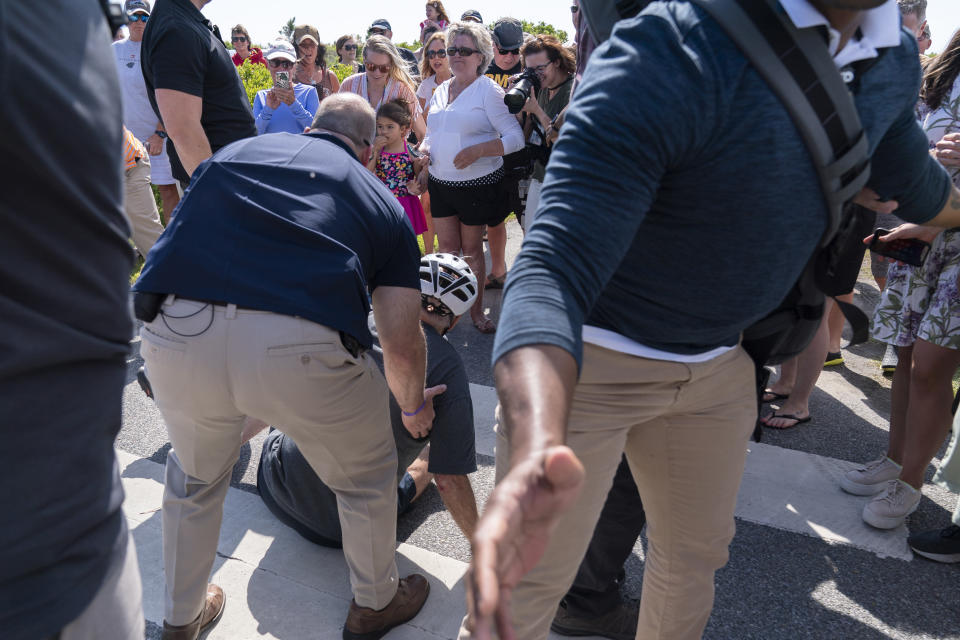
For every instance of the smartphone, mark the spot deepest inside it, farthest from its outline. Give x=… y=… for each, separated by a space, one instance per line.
x=910 y=251
x=283 y=80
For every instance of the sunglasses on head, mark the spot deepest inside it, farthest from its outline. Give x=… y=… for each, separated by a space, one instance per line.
x=139 y=17
x=512 y=52
x=281 y=64
x=382 y=68
x=436 y=53
x=350 y=47
x=461 y=51
x=238 y=39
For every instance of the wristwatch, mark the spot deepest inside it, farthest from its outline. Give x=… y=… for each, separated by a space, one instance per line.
x=162 y=134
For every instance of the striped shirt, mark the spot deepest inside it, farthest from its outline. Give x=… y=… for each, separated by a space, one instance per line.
x=357 y=83
x=133 y=149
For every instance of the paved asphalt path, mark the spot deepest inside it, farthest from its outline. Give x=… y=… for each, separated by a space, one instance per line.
x=778 y=583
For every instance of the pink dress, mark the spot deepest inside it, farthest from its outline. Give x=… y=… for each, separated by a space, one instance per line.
x=395 y=170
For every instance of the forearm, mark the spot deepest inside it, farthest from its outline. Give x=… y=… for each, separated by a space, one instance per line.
x=490 y=148
x=262 y=119
x=949 y=216
x=535 y=385
x=419 y=127
x=192 y=146
x=404 y=367
x=301 y=114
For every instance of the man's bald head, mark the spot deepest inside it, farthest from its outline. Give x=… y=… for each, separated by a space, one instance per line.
x=348 y=115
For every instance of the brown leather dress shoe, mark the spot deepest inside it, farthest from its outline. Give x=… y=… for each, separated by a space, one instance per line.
x=212 y=609
x=368 y=624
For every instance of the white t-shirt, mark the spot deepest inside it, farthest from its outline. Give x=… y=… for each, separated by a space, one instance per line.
x=477 y=115
x=138 y=115
x=427 y=87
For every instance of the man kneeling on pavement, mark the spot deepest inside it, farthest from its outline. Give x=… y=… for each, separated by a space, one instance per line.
x=255 y=304
x=298 y=496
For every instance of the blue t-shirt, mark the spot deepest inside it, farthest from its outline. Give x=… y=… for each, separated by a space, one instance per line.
x=291 y=118
x=694 y=187
x=292 y=224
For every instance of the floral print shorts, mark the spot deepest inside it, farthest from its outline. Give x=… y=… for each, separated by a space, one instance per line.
x=923 y=302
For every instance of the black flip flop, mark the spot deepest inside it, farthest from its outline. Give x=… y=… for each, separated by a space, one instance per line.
x=774 y=396
x=788 y=416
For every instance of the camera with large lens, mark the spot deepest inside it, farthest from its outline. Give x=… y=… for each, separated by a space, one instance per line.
x=518 y=96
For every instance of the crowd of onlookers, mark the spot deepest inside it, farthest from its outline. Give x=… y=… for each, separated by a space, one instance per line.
x=473 y=192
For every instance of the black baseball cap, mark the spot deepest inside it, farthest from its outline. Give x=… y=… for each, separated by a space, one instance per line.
x=507 y=33
x=380 y=23
x=472 y=14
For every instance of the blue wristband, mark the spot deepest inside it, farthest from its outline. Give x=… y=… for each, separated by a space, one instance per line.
x=419 y=409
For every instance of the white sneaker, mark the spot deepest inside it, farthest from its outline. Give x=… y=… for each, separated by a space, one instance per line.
x=870 y=479
x=890 y=359
x=889 y=509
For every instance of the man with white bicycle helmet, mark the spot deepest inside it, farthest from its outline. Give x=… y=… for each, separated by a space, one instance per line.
x=296 y=495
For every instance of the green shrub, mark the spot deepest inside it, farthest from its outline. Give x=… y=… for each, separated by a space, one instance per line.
x=254 y=77
x=342 y=71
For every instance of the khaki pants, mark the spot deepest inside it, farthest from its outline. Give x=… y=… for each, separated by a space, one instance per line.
x=684 y=429
x=210 y=367
x=141 y=207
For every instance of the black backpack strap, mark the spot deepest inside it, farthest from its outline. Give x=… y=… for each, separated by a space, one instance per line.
x=601 y=15
x=798 y=68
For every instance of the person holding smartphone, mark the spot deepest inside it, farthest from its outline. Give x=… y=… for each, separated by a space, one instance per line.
x=287 y=106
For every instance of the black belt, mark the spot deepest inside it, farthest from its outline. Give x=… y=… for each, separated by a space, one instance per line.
x=147 y=305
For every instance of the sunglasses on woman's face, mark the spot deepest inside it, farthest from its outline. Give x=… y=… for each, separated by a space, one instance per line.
x=574 y=8
x=436 y=53
x=281 y=64
x=139 y=17
x=461 y=51
x=382 y=68
x=238 y=39
x=349 y=47
x=512 y=52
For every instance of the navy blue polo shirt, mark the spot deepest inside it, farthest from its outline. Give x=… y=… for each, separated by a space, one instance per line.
x=288 y=223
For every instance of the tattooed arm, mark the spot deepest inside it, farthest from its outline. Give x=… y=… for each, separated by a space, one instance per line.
x=949 y=216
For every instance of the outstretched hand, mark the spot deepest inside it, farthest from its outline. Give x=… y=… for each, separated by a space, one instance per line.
x=513 y=533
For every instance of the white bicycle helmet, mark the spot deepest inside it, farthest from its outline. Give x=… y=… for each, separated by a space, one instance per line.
x=450 y=280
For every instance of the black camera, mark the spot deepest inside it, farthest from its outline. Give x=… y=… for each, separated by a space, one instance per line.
x=518 y=96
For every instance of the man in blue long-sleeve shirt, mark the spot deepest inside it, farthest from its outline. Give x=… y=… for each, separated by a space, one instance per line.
x=703 y=206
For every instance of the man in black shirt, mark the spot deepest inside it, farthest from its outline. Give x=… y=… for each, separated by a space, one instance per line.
x=507 y=40
x=67 y=563
x=193 y=85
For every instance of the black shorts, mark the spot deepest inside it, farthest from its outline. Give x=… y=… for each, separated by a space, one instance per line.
x=477 y=202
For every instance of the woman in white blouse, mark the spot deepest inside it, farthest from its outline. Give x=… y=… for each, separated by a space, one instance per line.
x=468 y=131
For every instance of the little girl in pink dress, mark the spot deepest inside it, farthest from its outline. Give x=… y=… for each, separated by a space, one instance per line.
x=392 y=161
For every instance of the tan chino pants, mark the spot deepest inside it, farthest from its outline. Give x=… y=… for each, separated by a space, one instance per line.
x=141 y=207
x=211 y=367
x=684 y=429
